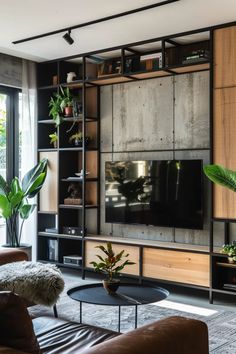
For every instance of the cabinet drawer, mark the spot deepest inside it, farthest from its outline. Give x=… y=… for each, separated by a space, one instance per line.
x=91 y=251
x=178 y=266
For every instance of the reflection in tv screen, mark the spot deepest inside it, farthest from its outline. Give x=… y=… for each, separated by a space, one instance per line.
x=159 y=193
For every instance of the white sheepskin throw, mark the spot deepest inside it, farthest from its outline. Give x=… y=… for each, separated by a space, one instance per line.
x=35 y=282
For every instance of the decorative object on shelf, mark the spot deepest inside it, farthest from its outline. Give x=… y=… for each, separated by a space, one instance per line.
x=54 y=139
x=151 y=61
x=111 y=265
x=109 y=67
x=221 y=175
x=74 y=197
x=55 y=80
x=53 y=254
x=70 y=77
x=14 y=199
x=230 y=250
x=196 y=56
x=67 y=102
x=72 y=230
x=74 y=260
x=80 y=174
x=77 y=139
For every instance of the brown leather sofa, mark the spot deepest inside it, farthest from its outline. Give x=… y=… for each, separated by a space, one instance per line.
x=20 y=334
x=8 y=255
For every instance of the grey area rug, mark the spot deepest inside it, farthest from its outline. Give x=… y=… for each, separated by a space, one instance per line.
x=221 y=325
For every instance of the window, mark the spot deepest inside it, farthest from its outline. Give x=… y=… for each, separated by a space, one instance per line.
x=10 y=139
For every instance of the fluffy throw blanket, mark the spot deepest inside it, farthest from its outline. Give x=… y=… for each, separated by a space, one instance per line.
x=35 y=282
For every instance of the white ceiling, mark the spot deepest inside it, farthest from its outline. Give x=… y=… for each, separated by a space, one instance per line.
x=26 y=18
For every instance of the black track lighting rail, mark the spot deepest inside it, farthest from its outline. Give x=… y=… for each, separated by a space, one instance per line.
x=99 y=20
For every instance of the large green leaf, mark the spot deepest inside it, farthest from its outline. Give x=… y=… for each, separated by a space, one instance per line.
x=26 y=210
x=31 y=176
x=5 y=207
x=4 y=188
x=15 y=185
x=37 y=185
x=221 y=175
x=16 y=199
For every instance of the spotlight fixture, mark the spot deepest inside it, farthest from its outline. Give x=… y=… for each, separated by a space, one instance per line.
x=68 y=37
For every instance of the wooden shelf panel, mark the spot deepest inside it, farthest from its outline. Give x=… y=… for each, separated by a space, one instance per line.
x=110 y=80
x=149 y=243
x=88 y=206
x=191 y=68
x=79 y=179
x=226 y=265
x=78 y=149
x=149 y=74
x=64 y=236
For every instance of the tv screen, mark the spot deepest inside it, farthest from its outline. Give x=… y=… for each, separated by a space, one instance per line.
x=160 y=193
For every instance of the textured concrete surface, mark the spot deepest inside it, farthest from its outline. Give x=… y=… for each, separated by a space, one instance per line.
x=139 y=119
x=10 y=71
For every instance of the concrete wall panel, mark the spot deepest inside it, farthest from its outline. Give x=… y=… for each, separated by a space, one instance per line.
x=142 y=115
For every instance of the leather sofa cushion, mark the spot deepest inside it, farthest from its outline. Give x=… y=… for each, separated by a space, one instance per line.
x=56 y=336
x=8 y=255
x=16 y=329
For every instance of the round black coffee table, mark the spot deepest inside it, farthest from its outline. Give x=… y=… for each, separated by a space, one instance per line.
x=126 y=295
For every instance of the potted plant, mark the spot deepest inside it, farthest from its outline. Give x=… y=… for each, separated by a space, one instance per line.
x=230 y=250
x=54 y=139
x=77 y=139
x=61 y=104
x=14 y=200
x=111 y=265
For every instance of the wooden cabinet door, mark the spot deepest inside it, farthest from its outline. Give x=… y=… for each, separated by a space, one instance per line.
x=225 y=57
x=177 y=266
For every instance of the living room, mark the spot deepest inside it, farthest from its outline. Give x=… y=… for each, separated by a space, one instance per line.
x=117 y=187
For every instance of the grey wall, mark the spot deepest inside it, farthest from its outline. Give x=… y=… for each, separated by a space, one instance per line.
x=138 y=119
x=10 y=71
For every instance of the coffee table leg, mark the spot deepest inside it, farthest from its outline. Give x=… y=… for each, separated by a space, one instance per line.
x=136 y=316
x=118 y=318
x=80 y=311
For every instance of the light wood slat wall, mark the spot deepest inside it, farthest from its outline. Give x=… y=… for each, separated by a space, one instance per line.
x=225 y=148
x=224 y=116
x=91 y=251
x=49 y=192
x=182 y=267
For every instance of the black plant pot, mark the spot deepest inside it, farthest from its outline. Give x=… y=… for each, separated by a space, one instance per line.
x=111 y=286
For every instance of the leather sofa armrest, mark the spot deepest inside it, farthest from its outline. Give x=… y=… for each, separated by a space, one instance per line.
x=173 y=335
x=9 y=255
x=8 y=350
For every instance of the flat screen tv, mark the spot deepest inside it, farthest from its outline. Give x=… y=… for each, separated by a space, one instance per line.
x=159 y=193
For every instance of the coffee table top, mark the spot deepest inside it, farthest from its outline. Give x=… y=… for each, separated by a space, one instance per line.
x=126 y=295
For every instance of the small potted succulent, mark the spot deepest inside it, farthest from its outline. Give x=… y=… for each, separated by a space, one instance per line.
x=54 y=139
x=67 y=102
x=77 y=139
x=230 y=250
x=111 y=264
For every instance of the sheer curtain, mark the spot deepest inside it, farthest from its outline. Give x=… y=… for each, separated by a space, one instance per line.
x=28 y=141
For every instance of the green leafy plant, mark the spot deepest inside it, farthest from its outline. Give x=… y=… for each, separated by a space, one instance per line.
x=230 y=250
x=14 y=199
x=53 y=138
x=57 y=104
x=112 y=263
x=77 y=138
x=221 y=175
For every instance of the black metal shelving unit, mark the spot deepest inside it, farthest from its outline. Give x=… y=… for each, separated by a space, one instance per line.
x=172 y=48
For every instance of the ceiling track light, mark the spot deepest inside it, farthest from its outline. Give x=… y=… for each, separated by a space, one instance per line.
x=99 y=20
x=68 y=37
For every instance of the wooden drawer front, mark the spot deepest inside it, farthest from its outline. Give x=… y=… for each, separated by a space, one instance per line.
x=183 y=267
x=224 y=142
x=91 y=251
x=49 y=192
x=225 y=57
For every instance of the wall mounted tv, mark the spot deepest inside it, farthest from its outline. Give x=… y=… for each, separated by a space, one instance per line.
x=159 y=193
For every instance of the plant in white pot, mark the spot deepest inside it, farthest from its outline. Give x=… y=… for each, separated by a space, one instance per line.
x=14 y=202
x=111 y=265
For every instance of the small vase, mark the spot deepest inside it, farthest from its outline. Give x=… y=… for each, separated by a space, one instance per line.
x=111 y=286
x=68 y=111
